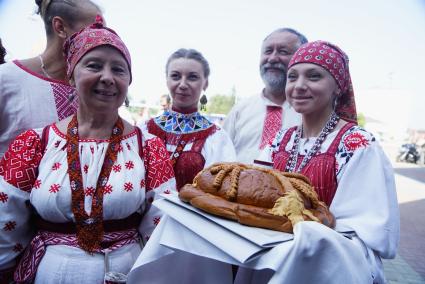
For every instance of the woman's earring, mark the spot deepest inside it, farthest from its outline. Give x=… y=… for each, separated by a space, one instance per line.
x=127 y=102
x=203 y=102
x=335 y=103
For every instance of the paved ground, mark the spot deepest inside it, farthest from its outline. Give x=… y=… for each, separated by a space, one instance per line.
x=409 y=265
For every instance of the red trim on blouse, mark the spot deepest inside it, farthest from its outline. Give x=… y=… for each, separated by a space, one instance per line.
x=19 y=64
x=62 y=135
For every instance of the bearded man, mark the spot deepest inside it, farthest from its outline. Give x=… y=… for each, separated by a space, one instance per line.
x=253 y=123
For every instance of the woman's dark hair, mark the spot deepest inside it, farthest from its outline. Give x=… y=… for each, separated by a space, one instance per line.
x=69 y=10
x=2 y=53
x=190 y=54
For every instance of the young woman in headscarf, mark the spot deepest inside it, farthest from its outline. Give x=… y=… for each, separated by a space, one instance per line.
x=193 y=142
x=348 y=169
x=35 y=92
x=72 y=195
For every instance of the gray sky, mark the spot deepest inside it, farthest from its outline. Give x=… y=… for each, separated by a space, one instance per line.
x=385 y=40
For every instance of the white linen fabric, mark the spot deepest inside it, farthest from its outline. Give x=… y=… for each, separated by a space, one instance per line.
x=245 y=123
x=28 y=100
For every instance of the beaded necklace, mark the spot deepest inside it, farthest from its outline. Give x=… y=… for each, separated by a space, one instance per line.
x=89 y=227
x=291 y=165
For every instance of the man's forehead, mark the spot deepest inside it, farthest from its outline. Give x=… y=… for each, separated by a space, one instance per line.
x=281 y=39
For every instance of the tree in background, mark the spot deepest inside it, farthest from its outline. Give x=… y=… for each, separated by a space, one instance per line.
x=361 y=120
x=221 y=104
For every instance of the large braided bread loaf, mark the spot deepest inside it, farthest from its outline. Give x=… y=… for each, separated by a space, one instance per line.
x=256 y=196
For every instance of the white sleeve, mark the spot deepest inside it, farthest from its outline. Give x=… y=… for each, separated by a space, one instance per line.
x=230 y=121
x=218 y=148
x=15 y=232
x=366 y=200
x=18 y=169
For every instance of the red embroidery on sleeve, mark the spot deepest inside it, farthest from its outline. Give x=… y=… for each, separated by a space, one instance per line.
x=354 y=141
x=19 y=166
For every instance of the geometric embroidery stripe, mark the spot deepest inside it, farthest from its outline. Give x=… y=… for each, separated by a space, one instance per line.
x=65 y=106
x=35 y=251
x=272 y=124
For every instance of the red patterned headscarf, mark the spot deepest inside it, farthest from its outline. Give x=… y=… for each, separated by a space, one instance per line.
x=77 y=45
x=335 y=61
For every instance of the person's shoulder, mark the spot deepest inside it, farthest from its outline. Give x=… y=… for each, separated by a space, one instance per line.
x=356 y=137
x=8 y=65
x=8 y=69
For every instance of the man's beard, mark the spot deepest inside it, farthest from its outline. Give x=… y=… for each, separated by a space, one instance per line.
x=275 y=81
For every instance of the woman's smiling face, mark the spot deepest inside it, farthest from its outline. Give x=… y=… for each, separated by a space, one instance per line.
x=101 y=78
x=310 y=88
x=186 y=81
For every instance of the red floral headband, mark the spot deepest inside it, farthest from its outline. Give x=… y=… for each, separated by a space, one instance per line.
x=76 y=46
x=335 y=61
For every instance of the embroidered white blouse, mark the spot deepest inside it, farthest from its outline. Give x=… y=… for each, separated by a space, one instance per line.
x=26 y=175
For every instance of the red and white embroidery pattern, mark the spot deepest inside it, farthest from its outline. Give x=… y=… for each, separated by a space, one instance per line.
x=116 y=168
x=128 y=186
x=142 y=183
x=129 y=165
x=56 y=166
x=9 y=226
x=30 y=260
x=86 y=168
x=54 y=188
x=3 y=197
x=159 y=169
x=355 y=140
x=20 y=163
x=156 y=220
x=62 y=94
x=107 y=189
x=89 y=191
x=37 y=183
x=272 y=124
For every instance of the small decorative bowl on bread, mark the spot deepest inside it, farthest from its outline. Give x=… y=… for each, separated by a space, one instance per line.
x=256 y=196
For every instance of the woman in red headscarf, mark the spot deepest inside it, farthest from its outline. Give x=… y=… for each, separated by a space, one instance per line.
x=348 y=169
x=72 y=195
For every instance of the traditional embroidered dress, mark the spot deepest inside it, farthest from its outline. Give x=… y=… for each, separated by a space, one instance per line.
x=193 y=142
x=351 y=173
x=31 y=178
x=29 y=100
x=246 y=125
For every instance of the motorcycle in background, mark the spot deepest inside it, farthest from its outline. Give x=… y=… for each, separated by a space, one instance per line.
x=408 y=153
